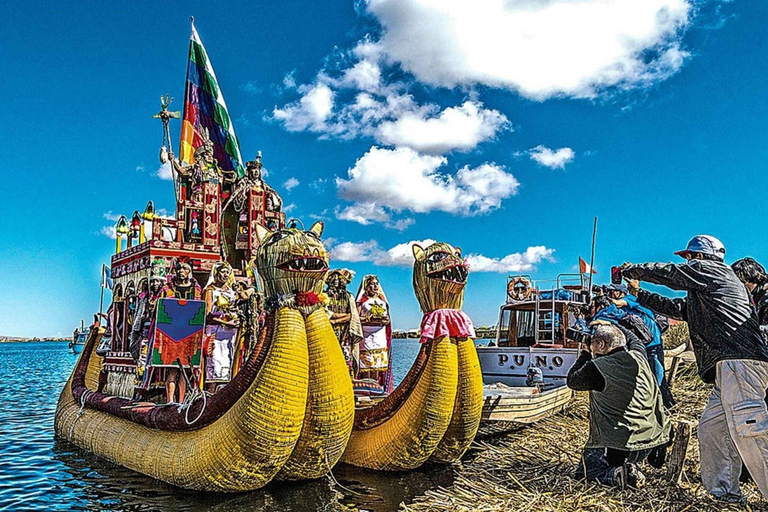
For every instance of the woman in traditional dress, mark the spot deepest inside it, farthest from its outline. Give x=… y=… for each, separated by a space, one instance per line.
x=221 y=325
x=343 y=316
x=373 y=308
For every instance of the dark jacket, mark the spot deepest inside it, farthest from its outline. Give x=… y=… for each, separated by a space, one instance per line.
x=721 y=321
x=760 y=302
x=625 y=406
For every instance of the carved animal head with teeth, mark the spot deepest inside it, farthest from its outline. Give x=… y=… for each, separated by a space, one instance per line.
x=439 y=276
x=292 y=260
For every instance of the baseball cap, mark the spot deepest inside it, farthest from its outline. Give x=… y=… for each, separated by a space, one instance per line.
x=705 y=244
x=618 y=288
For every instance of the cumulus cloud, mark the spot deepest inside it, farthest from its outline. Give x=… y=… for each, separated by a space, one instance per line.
x=401 y=255
x=515 y=262
x=310 y=112
x=554 y=159
x=387 y=180
x=290 y=183
x=455 y=128
x=165 y=172
x=572 y=48
x=109 y=232
x=369 y=213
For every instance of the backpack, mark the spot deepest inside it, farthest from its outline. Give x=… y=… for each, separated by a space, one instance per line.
x=636 y=325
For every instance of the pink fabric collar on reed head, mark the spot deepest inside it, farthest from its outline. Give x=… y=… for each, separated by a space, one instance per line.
x=446 y=322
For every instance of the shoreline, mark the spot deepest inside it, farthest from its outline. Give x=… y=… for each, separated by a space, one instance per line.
x=12 y=339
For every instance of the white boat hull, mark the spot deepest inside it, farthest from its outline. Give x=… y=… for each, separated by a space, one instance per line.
x=509 y=365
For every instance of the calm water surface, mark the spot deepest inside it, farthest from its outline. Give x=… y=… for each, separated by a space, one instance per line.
x=38 y=472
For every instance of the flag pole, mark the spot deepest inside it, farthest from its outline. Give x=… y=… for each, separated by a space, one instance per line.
x=101 y=299
x=592 y=258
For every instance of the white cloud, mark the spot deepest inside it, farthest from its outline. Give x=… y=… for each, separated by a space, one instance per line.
x=290 y=183
x=289 y=80
x=368 y=213
x=289 y=207
x=402 y=180
x=461 y=128
x=554 y=159
x=140 y=168
x=364 y=75
x=515 y=262
x=109 y=232
x=401 y=255
x=310 y=112
x=114 y=217
x=539 y=48
x=164 y=172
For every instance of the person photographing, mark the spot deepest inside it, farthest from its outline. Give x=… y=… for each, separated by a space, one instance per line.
x=626 y=417
x=730 y=353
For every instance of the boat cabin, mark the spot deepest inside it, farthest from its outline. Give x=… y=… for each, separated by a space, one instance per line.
x=535 y=316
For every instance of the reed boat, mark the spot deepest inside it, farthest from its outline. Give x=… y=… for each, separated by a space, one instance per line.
x=435 y=411
x=265 y=398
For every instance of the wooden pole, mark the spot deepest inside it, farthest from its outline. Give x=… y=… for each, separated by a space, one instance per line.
x=676 y=458
x=592 y=258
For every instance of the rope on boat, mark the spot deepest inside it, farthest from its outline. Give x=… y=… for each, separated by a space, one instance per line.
x=336 y=482
x=189 y=401
x=80 y=412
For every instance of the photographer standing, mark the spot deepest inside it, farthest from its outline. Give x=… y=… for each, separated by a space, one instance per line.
x=626 y=417
x=730 y=354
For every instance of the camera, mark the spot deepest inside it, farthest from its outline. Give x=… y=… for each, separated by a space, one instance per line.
x=616 y=275
x=578 y=335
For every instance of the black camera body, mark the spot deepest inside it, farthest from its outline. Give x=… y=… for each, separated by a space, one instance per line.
x=579 y=336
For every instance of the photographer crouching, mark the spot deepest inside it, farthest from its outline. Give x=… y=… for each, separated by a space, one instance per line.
x=626 y=418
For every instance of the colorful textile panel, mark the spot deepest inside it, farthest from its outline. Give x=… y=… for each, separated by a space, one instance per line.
x=178 y=332
x=204 y=107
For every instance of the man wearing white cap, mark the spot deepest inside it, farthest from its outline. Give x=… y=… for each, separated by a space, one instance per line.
x=730 y=353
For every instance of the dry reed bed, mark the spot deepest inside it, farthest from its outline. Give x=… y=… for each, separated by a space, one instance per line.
x=531 y=469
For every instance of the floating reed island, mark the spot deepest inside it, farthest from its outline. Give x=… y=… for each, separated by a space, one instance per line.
x=531 y=468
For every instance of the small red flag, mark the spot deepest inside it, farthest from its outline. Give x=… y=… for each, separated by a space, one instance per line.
x=584 y=267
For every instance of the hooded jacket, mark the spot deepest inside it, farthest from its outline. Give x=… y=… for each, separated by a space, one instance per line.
x=722 y=323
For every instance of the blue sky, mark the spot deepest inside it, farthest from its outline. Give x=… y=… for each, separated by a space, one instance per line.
x=501 y=128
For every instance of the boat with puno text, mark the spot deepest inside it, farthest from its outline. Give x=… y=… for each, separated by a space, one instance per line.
x=525 y=367
x=218 y=368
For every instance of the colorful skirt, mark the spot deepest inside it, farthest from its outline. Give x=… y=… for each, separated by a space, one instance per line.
x=220 y=341
x=373 y=349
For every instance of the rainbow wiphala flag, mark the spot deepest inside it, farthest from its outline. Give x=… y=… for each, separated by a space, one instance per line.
x=204 y=107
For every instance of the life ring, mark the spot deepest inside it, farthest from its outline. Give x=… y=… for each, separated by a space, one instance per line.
x=519 y=289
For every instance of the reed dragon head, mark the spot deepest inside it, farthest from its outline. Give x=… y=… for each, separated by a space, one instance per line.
x=292 y=261
x=439 y=276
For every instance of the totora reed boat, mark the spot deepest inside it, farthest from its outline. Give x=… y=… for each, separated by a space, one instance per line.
x=435 y=411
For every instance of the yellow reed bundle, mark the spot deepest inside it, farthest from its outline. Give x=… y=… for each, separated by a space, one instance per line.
x=407 y=438
x=468 y=407
x=434 y=293
x=330 y=406
x=242 y=450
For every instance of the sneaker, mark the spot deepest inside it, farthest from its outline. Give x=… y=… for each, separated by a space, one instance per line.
x=730 y=498
x=620 y=477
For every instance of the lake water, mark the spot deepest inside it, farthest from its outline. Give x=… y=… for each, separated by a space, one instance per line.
x=38 y=472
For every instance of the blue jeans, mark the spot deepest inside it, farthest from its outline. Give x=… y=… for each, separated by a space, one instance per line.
x=655 y=357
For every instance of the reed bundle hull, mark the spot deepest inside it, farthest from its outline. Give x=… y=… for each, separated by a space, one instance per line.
x=468 y=406
x=330 y=411
x=241 y=450
x=403 y=431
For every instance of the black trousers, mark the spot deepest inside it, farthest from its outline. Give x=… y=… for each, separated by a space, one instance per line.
x=598 y=464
